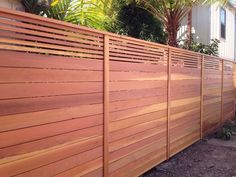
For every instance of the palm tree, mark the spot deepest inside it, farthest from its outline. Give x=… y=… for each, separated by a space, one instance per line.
x=97 y=14
x=171 y=13
x=38 y=6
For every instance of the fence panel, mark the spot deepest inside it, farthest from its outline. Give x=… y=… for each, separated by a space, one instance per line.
x=228 y=91
x=185 y=100
x=138 y=107
x=212 y=94
x=51 y=106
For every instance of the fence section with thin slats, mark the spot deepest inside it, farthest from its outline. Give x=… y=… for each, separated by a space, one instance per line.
x=51 y=98
x=80 y=102
x=212 y=92
x=228 y=91
x=185 y=100
x=138 y=103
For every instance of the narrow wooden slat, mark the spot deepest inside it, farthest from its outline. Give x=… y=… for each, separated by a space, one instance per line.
x=136 y=155
x=135 y=67
x=11 y=122
x=117 y=145
x=82 y=169
x=48 y=142
x=135 y=103
x=29 y=134
x=137 y=120
x=49 y=30
x=36 y=160
x=48 y=22
x=64 y=164
x=137 y=111
x=69 y=36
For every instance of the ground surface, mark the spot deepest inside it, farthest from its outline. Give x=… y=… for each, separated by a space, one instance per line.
x=206 y=158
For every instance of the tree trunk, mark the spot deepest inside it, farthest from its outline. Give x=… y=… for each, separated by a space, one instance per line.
x=189 y=29
x=172 y=29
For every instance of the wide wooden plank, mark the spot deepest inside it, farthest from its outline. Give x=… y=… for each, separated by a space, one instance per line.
x=10 y=91
x=27 y=105
x=23 y=75
x=11 y=122
x=30 y=60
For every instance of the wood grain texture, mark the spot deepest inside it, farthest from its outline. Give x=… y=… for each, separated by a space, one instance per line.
x=138 y=105
x=51 y=114
x=106 y=108
x=228 y=106
x=75 y=101
x=212 y=94
x=185 y=100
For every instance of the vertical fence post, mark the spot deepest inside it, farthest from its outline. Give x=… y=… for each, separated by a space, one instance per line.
x=202 y=79
x=106 y=107
x=222 y=92
x=168 y=102
x=234 y=81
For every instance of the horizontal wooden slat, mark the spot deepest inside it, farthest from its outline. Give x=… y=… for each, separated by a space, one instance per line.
x=74 y=135
x=66 y=151
x=11 y=122
x=21 y=90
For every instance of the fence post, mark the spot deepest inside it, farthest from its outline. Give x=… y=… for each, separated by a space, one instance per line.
x=106 y=107
x=168 y=102
x=202 y=79
x=222 y=92
x=234 y=85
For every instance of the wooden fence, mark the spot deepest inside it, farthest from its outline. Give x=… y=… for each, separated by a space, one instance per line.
x=81 y=102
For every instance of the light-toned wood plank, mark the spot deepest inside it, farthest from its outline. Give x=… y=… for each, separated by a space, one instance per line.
x=169 y=76
x=106 y=108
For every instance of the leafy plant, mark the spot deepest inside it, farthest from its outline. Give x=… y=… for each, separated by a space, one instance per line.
x=38 y=6
x=211 y=49
x=139 y=23
x=226 y=134
x=97 y=14
x=228 y=130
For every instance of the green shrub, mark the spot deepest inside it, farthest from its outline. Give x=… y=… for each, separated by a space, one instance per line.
x=211 y=49
x=226 y=134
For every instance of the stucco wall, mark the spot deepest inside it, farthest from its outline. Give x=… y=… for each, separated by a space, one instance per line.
x=12 y=4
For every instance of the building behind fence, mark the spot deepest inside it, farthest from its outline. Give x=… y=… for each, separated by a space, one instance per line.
x=81 y=102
